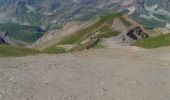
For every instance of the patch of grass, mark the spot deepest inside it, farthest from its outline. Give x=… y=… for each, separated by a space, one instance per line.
x=109 y=17
x=8 y=50
x=154 y=42
x=150 y=23
x=87 y=32
x=125 y=22
x=98 y=45
x=106 y=32
x=160 y=16
x=16 y=51
x=54 y=50
x=23 y=32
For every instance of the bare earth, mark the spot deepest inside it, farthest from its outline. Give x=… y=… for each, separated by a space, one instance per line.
x=127 y=73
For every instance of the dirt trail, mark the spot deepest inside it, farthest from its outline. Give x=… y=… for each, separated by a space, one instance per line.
x=106 y=74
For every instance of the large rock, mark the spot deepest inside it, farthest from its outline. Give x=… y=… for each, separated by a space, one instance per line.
x=88 y=43
x=5 y=38
x=133 y=34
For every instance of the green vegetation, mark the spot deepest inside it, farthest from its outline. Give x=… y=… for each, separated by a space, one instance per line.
x=98 y=45
x=102 y=26
x=150 y=23
x=87 y=16
x=106 y=32
x=54 y=50
x=23 y=32
x=7 y=50
x=154 y=42
x=160 y=16
x=16 y=51
x=87 y=32
x=125 y=22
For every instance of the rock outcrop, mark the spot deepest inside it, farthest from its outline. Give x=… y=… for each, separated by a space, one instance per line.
x=134 y=33
x=5 y=38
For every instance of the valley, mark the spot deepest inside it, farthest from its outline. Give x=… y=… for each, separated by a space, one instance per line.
x=24 y=33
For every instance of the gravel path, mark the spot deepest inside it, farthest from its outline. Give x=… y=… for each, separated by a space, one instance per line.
x=110 y=74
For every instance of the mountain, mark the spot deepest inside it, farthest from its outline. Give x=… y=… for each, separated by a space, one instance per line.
x=55 y=13
x=84 y=35
x=47 y=15
x=150 y=13
x=47 y=12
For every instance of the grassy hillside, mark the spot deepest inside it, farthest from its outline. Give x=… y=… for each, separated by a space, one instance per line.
x=22 y=32
x=125 y=21
x=101 y=25
x=154 y=42
x=53 y=50
x=107 y=32
x=7 y=50
x=16 y=51
x=150 y=23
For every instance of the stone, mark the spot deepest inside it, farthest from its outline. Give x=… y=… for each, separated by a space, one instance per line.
x=134 y=33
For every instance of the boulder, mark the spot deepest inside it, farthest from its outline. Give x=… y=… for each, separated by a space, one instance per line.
x=134 y=33
x=88 y=43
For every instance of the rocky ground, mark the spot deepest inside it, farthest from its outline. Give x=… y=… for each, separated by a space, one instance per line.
x=116 y=73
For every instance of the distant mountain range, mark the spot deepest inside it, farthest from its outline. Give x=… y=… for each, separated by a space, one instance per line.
x=45 y=15
x=54 y=13
x=47 y=12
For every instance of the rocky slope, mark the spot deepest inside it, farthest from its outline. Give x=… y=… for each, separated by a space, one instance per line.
x=5 y=38
x=84 y=35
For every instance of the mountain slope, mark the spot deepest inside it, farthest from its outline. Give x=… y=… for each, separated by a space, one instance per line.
x=81 y=35
x=45 y=13
x=55 y=13
x=23 y=32
x=150 y=13
x=5 y=38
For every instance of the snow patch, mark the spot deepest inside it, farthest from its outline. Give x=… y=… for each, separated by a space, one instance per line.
x=167 y=25
x=131 y=10
x=151 y=16
x=154 y=10
x=30 y=8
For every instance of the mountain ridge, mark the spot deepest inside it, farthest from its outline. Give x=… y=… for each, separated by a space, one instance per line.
x=55 y=13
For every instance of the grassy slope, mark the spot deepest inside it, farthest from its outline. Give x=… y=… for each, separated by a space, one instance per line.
x=107 y=32
x=7 y=50
x=125 y=21
x=155 y=42
x=101 y=25
x=150 y=23
x=22 y=32
x=15 y=51
x=54 y=50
